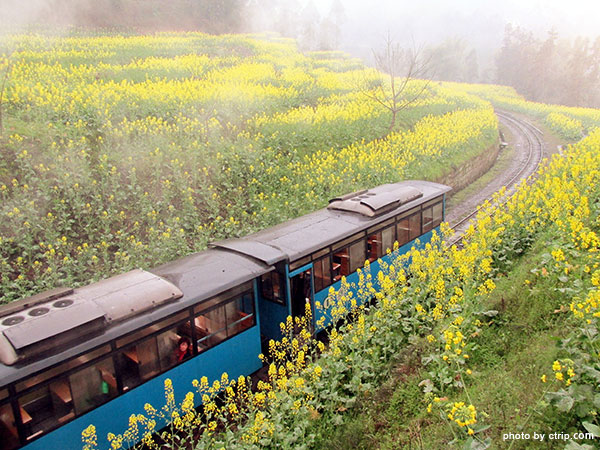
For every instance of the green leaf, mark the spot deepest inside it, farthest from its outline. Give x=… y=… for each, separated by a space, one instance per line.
x=572 y=445
x=561 y=400
x=597 y=400
x=475 y=444
x=479 y=428
x=594 y=429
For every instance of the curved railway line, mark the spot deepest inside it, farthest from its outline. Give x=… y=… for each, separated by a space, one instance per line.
x=529 y=146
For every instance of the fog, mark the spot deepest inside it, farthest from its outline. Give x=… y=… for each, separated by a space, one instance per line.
x=478 y=23
x=457 y=33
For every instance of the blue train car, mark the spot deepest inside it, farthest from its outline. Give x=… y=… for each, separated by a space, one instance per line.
x=96 y=354
x=312 y=253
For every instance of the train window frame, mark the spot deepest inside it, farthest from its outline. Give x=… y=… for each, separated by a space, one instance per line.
x=439 y=218
x=48 y=395
x=216 y=300
x=153 y=328
x=11 y=440
x=320 y=254
x=410 y=212
x=325 y=261
x=63 y=368
x=262 y=281
x=299 y=263
x=348 y=241
x=209 y=335
x=431 y=202
x=380 y=226
x=427 y=219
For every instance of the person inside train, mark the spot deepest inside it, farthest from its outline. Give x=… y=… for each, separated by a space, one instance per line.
x=183 y=350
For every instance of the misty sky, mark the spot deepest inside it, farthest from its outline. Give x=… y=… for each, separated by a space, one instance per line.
x=479 y=23
x=422 y=18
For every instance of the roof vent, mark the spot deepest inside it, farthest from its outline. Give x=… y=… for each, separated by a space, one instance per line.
x=45 y=323
x=377 y=201
x=62 y=303
x=36 y=312
x=13 y=320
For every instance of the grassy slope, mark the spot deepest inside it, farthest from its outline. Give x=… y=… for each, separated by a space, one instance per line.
x=517 y=346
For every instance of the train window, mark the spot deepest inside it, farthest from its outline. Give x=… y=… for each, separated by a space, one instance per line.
x=348 y=241
x=322 y=270
x=374 y=246
x=347 y=260
x=139 y=363
x=218 y=299
x=174 y=345
x=152 y=329
x=224 y=321
x=299 y=263
x=403 y=231
x=427 y=219
x=63 y=368
x=438 y=214
x=94 y=385
x=387 y=239
x=381 y=225
x=357 y=255
x=414 y=223
x=271 y=287
x=211 y=328
x=340 y=264
x=46 y=407
x=240 y=314
x=3 y=394
x=9 y=436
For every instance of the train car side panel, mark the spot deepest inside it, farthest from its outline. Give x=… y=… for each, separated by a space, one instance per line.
x=236 y=356
x=323 y=314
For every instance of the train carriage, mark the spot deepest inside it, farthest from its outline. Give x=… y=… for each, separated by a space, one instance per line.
x=98 y=353
x=312 y=253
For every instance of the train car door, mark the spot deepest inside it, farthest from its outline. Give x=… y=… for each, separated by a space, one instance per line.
x=301 y=289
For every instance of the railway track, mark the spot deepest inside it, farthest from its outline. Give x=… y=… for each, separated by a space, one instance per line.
x=529 y=146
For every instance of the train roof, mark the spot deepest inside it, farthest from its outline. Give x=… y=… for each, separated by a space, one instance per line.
x=344 y=217
x=104 y=309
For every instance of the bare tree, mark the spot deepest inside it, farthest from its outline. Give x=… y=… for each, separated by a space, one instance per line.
x=397 y=68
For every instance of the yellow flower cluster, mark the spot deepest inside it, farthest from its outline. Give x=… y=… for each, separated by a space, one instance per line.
x=563 y=370
x=566 y=126
x=159 y=144
x=463 y=415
